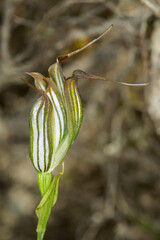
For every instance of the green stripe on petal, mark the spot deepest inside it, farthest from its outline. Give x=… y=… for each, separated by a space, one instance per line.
x=74 y=108
x=56 y=74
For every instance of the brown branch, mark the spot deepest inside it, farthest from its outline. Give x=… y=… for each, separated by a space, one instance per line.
x=153 y=6
x=24 y=22
x=5 y=32
x=58 y=8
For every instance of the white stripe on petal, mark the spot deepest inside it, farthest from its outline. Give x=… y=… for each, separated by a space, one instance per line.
x=41 y=138
x=59 y=118
x=35 y=132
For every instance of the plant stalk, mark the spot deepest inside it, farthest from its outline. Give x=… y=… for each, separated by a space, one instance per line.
x=40 y=236
x=49 y=192
x=43 y=212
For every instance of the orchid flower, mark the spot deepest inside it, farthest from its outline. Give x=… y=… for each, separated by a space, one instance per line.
x=55 y=120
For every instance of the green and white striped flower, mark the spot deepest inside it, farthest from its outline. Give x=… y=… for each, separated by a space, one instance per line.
x=55 y=118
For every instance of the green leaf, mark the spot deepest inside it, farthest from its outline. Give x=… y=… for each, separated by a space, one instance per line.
x=49 y=199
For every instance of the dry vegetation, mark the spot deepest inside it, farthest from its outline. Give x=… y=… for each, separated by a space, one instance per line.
x=111 y=186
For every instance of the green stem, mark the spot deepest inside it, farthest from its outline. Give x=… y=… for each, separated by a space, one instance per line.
x=44 y=181
x=49 y=192
x=40 y=236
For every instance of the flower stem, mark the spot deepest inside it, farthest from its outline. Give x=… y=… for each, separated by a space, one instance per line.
x=40 y=236
x=43 y=213
x=49 y=192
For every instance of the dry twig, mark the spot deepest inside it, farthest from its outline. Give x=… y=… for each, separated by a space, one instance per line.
x=5 y=33
x=153 y=6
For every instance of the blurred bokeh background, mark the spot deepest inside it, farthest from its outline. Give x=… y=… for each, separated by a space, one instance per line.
x=111 y=186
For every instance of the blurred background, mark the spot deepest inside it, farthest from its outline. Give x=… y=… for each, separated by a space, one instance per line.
x=111 y=186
